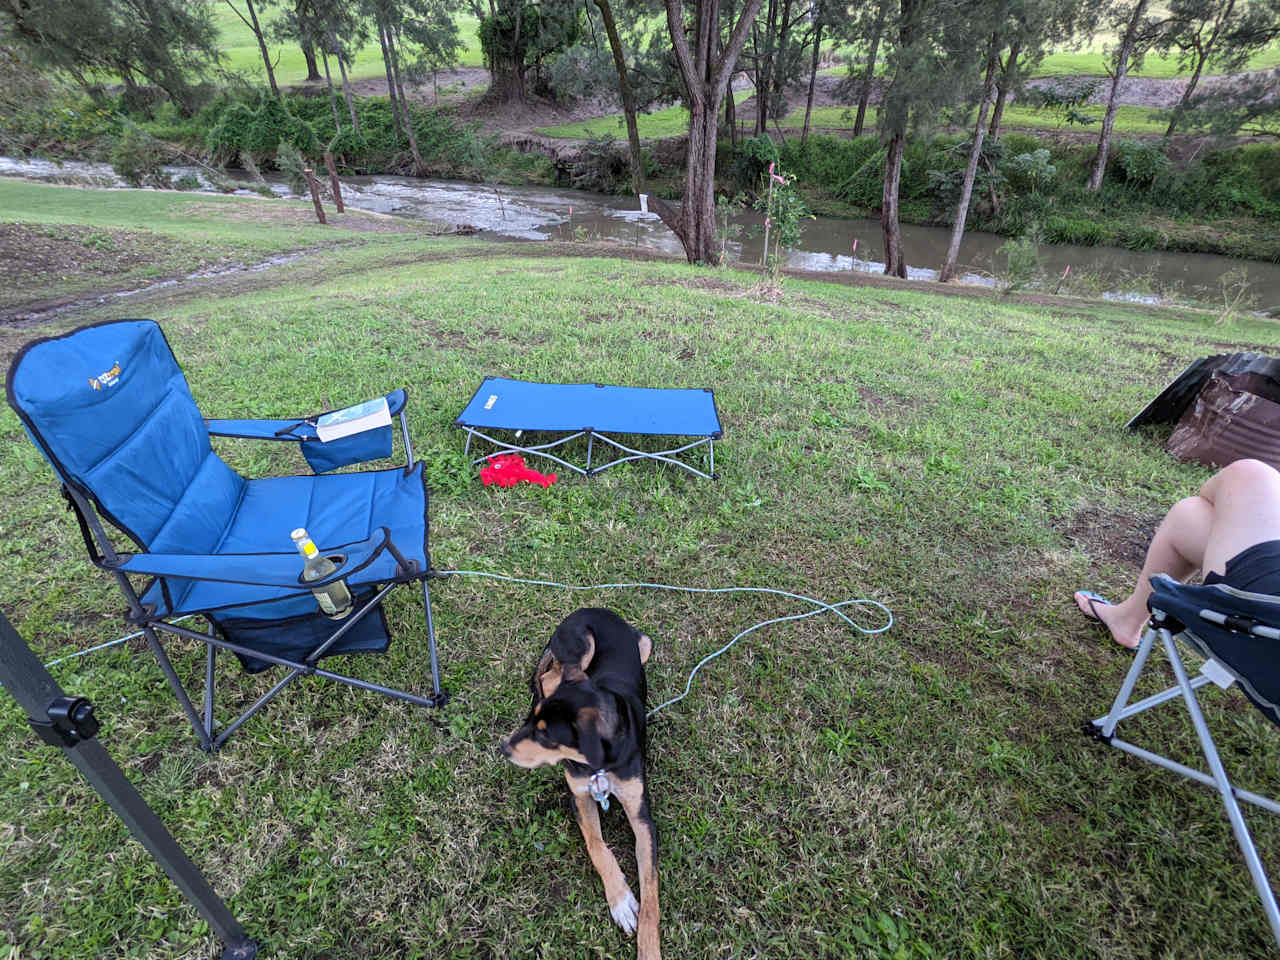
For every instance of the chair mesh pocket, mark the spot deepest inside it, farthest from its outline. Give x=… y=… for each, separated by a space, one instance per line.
x=295 y=637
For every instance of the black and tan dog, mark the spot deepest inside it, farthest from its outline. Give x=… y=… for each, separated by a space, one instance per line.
x=588 y=713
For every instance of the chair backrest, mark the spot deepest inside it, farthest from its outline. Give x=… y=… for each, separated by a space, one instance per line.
x=110 y=409
x=1251 y=659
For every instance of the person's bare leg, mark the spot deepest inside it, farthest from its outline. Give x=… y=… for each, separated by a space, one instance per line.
x=1237 y=507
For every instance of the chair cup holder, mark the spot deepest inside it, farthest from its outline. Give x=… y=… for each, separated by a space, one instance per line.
x=338 y=560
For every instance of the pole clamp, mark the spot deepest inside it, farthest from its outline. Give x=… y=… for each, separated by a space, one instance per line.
x=71 y=721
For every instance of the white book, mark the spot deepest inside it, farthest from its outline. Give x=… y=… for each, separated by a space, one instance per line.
x=357 y=419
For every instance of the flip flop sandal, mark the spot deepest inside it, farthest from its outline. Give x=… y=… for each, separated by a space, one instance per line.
x=1094 y=599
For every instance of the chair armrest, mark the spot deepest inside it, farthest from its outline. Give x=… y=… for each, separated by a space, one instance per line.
x=294 y=429
x=257 y=569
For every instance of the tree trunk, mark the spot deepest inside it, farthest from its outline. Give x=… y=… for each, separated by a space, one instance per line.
x=705 y=71
x=346 y=86
x=1007 y=78
x=869 y=74
x=391 y=83
x=393 y=38
x=628 y=96
x=813 y=79
x=895 y=264
x=252 y=23
x=731 y=118
x=765 y=83
x=971 y=169
x=333 y=98
x=778 y=95
x=308 y=48
x=1109 y=119
x=313 y=68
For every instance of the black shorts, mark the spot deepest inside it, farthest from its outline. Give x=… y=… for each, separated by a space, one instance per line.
x=1256 y=569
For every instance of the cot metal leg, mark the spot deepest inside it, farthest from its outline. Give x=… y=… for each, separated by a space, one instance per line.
x=179 y=691
x=1238 y=826
x=712 y=448
x=466 y=450
x=588 y=454
x=408 y=447
x=210 y=654
x=438 y=695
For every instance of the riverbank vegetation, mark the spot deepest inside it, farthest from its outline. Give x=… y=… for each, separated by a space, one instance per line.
x=960 y=458
x=913 y=74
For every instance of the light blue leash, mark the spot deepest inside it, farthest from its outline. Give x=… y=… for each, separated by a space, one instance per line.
x=820 y=607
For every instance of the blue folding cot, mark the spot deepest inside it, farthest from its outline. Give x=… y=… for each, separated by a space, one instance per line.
x=595 y=411
x=111 y=411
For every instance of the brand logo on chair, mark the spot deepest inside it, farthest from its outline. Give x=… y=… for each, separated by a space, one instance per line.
x=108 y=378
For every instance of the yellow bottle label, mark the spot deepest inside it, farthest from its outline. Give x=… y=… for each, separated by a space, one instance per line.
x=309 y=548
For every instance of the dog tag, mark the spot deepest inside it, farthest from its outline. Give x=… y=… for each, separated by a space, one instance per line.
x=1217 y=673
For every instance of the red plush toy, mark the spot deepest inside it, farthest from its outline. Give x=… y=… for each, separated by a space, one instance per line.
x=508 y=469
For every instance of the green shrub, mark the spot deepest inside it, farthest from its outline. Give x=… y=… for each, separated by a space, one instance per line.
x=1139 y=164
x=139 y=159
x=1083 y=233
x=1022 y=263
x=259 y=131
x=1030 y=171
x=751 y=159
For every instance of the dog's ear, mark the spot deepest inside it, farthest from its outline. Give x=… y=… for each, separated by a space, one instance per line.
x=576 y=673
x=546 y=677
x=573 y=647
x=587 y=724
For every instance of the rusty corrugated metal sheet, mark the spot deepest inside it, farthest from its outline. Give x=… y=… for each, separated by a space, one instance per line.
x=1177 y=396
x=1233 y=417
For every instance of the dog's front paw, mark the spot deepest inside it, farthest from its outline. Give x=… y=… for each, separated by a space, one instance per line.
x=625 y=912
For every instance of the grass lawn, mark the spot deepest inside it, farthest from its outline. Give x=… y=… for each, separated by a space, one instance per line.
x=60 y=241
x=1093 y=61
x=923 y=793
x=241 y=49
x=1128 y=119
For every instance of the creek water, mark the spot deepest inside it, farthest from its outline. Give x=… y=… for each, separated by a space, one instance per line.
x=827 y=245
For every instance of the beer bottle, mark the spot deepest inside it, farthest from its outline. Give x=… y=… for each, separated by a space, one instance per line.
x=334 y=598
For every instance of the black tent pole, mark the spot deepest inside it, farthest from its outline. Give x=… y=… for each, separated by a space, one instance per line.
x=69 y=723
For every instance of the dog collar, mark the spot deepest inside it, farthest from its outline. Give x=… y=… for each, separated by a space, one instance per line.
x=600 y=790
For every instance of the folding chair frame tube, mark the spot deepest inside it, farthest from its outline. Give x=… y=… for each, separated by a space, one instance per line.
x=1217 y=778
x=539 y=450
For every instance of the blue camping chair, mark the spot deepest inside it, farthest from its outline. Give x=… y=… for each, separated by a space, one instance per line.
x=1236 y=632
x=110 y=409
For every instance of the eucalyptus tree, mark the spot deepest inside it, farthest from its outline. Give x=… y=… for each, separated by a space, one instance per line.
x=1138 y=35
x=166 y=43
x=1018 y=28
x=933 y=47
x=1035 y=28
x=706 y=62
x=249 y=17
x=517 y=35
x=1223 y=34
